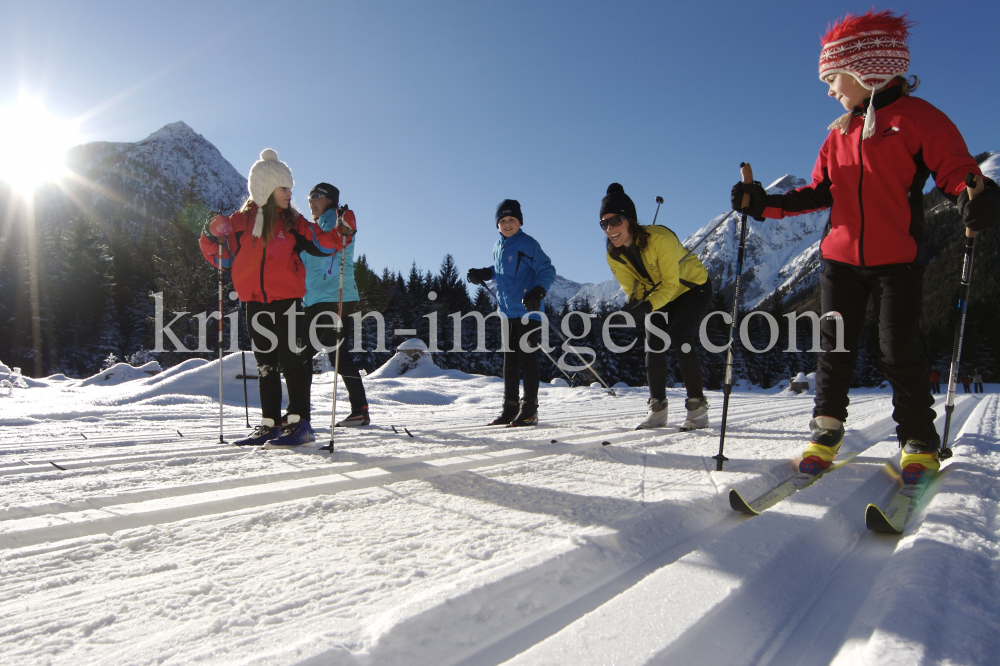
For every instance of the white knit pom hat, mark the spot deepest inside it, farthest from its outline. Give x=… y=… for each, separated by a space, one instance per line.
x=266 y=175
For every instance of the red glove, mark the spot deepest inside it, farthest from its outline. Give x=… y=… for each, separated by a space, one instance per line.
x=348 y=223
x=220 y=226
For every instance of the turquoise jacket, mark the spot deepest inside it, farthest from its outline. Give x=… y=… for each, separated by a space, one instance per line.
x=518 y=265
x=323 y=273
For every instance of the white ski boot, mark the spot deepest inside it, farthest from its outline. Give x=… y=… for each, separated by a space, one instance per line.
x=697 y=409
x=657 y=416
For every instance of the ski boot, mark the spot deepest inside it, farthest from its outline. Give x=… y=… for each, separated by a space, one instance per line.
x=917 y=459
x=262 y=434
x=508 y=413
x=296 y=433
x=657 y=415
x=697 y=409
x=827 y=434
x=528 y=416
x=358 y=417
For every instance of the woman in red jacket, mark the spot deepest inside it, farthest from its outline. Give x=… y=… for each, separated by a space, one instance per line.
x=870 y=173
x=261 y=245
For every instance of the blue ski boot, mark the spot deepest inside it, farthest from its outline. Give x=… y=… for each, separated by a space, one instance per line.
x=296 y=433
x=262 y=434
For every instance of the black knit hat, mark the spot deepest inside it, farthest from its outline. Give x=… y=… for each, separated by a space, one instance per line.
x=619 y=203
x=328 y=191
x=509 y=208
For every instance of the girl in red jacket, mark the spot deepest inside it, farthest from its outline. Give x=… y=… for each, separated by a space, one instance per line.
x=261 y=245
x=870 y=173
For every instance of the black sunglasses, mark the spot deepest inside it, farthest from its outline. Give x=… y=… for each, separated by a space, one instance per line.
x=612 y=222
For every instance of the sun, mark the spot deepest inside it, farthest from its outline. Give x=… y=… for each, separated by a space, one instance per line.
x=33 y=144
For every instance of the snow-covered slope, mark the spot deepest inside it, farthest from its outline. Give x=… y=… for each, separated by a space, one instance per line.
x=130 y=534
x=146 y=181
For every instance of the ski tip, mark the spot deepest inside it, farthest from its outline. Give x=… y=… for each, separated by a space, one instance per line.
x=554 y=441
x=605 y=443
x=876 y=521
x=737 y=503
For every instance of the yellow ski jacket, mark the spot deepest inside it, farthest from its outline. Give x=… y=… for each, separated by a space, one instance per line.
x=665 y=273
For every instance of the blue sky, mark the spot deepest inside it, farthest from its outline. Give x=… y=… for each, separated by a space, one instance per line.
x=426 y=115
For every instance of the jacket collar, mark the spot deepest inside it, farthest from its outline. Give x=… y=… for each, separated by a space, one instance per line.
x=882 y=99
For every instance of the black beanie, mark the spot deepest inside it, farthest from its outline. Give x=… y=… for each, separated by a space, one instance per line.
x=328 y=191
x=619 y=203
x=509 y=208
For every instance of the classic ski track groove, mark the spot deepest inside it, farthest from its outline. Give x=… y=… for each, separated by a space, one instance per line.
x=818 y=606
x=40 y=463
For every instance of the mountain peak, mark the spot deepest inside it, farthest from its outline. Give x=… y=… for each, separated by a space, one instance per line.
x=172 y=131
x=784 y=184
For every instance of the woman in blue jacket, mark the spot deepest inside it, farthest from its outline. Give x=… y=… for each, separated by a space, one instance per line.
x=522 y=273
x=321 y=299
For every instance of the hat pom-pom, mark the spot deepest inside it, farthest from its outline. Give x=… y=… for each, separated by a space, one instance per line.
x=615 y=188
x=268 y=154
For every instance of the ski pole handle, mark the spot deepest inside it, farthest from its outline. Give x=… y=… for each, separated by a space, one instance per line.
x=974 y=186
x=747 y=173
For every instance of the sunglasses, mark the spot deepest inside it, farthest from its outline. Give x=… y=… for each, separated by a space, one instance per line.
x=316 y=195
x=612 y=222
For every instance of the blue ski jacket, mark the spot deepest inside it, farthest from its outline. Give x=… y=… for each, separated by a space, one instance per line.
x=518 y=265
x=323 y=273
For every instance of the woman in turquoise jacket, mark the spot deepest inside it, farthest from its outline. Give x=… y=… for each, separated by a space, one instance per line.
x=321 y=299
x=523 y=274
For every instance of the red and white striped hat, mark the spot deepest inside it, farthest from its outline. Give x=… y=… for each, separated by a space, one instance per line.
x=871 y=48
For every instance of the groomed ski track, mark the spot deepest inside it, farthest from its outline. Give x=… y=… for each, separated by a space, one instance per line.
x=469 y=545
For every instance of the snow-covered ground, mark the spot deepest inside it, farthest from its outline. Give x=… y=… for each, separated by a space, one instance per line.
x=152 y=543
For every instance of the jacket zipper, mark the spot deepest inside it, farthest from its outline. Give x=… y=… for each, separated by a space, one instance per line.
x=861 y=181
x=263 y=258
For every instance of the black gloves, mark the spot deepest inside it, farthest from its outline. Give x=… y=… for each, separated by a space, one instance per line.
x=638 y=308
x=479 y=275
x=982 y=212
x=533 y=299
x=758 y=198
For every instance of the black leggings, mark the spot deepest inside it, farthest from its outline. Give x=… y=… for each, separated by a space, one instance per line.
x=896 y=291
x=519 y=364
x=328 y=337
x=684 y=315
x=295 y=366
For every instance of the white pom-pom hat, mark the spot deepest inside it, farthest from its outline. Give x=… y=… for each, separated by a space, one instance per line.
x=267 y=175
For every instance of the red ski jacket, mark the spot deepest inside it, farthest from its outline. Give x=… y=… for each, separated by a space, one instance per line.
x=269 y=271
x=874 y=188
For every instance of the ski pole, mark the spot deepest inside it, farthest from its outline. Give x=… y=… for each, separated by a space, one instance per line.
x=243 y=360
x=659 y=200
x=727 y=388
x=340 y=340
x=547 y=355
x=974 y=187
x=221 y=440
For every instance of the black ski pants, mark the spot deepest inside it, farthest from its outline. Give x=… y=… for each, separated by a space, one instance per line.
x=519 y=364
x=270 y=329
x=683 y=315
x=325 y=313
x=896 y=291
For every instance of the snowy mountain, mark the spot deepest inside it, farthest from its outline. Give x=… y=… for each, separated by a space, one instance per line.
x=564 y=290
x=145 y=181
x=780 y=254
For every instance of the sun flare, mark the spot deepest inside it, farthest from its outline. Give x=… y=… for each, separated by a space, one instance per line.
x=33 y=144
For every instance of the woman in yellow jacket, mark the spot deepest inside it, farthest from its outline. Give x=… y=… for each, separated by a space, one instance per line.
x=659 y=275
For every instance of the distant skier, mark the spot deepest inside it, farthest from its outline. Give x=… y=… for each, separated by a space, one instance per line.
x=965 y=382
x=660 y=276
x=977 y=381
x=322 y=294
x=870 y=173
x=261 y=245
x=935 y=381
x=523 y=274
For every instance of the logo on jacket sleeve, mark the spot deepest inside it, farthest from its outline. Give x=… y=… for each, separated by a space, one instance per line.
x=891 y=131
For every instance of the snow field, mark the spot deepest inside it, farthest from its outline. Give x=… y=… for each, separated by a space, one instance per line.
x=465 y=544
